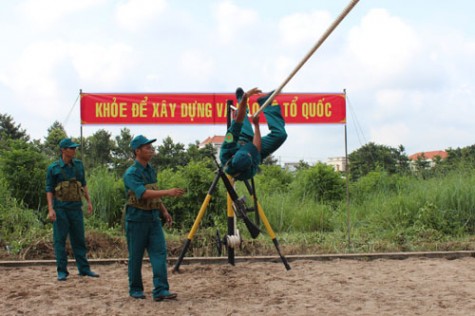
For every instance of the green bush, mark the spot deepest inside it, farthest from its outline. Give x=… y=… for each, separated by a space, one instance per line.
x=196 y=178
x=272 y=179
x=319 y=183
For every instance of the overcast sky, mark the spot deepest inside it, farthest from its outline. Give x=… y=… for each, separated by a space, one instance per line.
x=408 y=66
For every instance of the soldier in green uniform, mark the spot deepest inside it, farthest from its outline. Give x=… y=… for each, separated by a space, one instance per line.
x=244 y=149
x=143 y=222
x=65 y=188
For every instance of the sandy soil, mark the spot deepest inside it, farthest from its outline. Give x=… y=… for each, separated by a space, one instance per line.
x=339 y=287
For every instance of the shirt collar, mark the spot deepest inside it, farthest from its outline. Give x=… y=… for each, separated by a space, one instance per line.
x=62 y=163
x=140 y=166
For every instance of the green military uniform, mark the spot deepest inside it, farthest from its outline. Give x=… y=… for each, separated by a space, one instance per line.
x=144 y=231
x=239 y=156
x=65 y=181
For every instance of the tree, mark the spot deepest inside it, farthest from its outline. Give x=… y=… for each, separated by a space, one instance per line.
x=170 y=155
x=402 y=160
x=24 y=167
x=122 y=155
x=422 y=163
x=372 y=156
x=464 y=156
x=56 y=133
x=302 y=165
x=98 y=149
x=423 y=166
x=194 y=153
x=270 y=161
x=9 y=130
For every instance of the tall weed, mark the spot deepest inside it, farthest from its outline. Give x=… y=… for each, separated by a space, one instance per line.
x=289 y=213
x=18 y=226
x=107 y=196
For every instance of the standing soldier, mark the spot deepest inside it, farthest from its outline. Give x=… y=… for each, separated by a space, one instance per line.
x=65 y=188
x=143 y=224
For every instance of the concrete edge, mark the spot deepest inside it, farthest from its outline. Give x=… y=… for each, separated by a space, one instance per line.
x=449 y=255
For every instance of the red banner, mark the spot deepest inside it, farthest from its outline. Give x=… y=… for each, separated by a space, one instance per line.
x=203 y=108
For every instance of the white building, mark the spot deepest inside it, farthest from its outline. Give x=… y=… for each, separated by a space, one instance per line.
x=338 y=163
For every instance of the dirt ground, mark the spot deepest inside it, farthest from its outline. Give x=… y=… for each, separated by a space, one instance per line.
x=414 y=286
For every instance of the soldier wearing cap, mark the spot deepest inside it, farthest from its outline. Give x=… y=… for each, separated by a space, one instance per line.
x=143 y=222
x=244 y=149
x=65 y=189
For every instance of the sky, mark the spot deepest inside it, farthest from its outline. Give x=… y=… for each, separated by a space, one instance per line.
x=407 y=66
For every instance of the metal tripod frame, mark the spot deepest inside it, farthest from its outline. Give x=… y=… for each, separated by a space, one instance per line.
x=235 y=206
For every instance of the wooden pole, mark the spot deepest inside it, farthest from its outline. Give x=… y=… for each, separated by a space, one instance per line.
x=327 y=33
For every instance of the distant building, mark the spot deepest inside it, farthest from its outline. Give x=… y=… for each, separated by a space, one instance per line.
x=429 y=156
x=338 y=163
x=215 y=141
x=291 y=166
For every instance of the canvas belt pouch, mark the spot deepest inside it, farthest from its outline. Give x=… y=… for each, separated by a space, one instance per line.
x=143 y=204
x=69 y=191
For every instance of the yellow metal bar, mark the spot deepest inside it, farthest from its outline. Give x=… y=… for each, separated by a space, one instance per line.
x=199 y=217
x=230 y=210
x=265 y=221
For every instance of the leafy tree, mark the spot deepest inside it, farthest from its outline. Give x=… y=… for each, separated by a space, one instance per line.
x=440 y=168
x=24 y=169
x=422 y=163
x=270 y=161
x=170 y=155
x=302 y=165
x=122 y=153
x=56 y=132
x=194 y=153
x=9 y=130
x=98 y=149
x=460 y=157
x=402 y=160
x=372 y=156
x=437 y=160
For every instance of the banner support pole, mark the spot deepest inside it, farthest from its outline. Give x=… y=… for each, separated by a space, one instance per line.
x=347 y=169
x=80 y=124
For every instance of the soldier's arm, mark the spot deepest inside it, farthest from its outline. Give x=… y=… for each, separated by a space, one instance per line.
x=155 y=194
